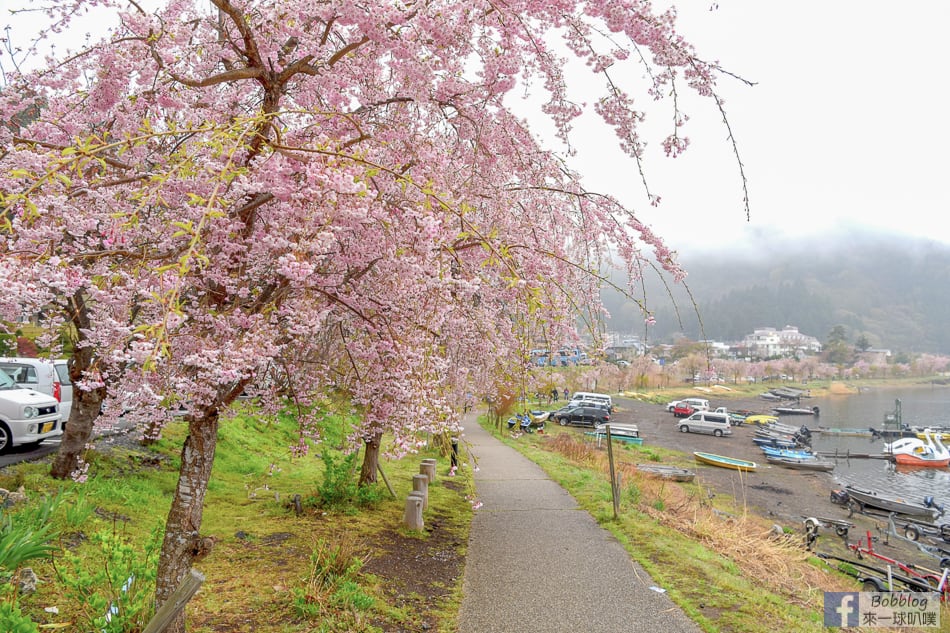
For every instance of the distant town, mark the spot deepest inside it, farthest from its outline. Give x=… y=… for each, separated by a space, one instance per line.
x=767 y=353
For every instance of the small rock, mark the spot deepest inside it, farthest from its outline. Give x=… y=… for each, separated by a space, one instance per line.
x=27 y=581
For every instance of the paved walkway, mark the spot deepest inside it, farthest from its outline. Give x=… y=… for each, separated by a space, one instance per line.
x=537 y=562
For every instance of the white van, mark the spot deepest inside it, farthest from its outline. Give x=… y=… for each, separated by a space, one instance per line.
x=27 y=417
x=696 y=404
x=707 y=422
x=582 y=397
x=45 y=376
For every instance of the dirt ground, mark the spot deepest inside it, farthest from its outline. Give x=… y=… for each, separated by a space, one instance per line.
x=782 y=495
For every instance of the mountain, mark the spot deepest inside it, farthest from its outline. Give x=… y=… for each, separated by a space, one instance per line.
x=895 y=291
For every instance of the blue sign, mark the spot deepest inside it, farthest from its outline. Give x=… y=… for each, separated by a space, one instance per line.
x=841 y=608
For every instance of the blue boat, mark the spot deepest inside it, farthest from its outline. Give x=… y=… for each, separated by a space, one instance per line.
x=793 y=453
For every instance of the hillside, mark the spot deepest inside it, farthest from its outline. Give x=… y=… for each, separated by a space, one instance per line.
x=894 y=291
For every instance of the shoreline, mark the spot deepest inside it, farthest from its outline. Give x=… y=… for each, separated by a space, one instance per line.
x=779 y=495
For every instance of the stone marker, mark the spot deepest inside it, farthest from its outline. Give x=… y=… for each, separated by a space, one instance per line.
x=420 y=484
x=413 y=516
x=427 y=468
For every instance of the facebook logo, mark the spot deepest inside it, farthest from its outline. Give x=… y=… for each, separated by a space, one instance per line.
x=841 y=608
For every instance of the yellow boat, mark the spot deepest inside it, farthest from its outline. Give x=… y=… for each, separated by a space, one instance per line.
x=725 y=462
x=760 y=418
x=943 y=435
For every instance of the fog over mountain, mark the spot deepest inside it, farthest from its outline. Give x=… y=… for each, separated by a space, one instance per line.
x=895 y=290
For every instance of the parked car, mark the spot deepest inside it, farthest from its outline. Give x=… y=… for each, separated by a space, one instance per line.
x=27 y=417
x=588 y=403
x=698 y=404
x=43 y=375
x=707 y=422
x=683 y=410
x=66 y=389
x=672 y=405
x=583 y=415
x=587 y=398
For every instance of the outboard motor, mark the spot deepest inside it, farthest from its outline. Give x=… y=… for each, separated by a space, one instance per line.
x=929 y=503
x=840 y=497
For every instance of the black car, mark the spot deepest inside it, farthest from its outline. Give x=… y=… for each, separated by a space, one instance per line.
x=587 y=416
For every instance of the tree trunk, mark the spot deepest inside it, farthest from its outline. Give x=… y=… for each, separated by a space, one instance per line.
x=86 y=406
x=86 y=403
x=182 y=539
x=370 y=459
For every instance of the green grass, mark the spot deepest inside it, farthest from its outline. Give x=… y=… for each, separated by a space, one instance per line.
x=259 y=574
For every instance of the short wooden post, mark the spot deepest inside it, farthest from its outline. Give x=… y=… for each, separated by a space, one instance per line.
x=413 y=516
x=455 y=452
x=175 y=603
x=420 y=484
x=427 y=468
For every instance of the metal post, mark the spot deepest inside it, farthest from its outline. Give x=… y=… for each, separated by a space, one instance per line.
x=613 y=475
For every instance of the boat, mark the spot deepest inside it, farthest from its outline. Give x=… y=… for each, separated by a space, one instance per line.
x=722 y=461
x=795 y=410
x=794 y=453
x=769 y=396
x=789 y=393
x=879 y=501
x=905 y=459
x=760 y=418
x=796 y=463
x=937 y=433
x=777 y=442
x=627 y=433
x=765 y=433
x=667 y=472
x=929 y=453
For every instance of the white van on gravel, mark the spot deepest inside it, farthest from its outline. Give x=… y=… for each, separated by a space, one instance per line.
x=43 y=375
x=27 y=417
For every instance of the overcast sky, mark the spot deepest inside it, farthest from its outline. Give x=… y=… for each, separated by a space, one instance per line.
x=846 y=126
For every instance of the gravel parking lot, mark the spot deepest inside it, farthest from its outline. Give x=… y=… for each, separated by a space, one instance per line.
x=782 y=495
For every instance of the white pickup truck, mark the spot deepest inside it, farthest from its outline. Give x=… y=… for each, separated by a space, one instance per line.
x=27 y=417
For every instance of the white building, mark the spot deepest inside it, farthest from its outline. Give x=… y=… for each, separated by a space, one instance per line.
x=768 y=342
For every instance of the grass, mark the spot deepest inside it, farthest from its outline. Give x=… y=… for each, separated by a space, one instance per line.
x=272 y=569
x=722 y=565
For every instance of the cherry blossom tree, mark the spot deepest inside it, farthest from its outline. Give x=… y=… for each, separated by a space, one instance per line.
x=320 y=201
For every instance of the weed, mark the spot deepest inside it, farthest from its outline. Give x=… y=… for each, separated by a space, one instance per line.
x=339 y=489
x=78 y=511
x=12 y=619
x=333 y=578
x=26 y=534
x=114 y=589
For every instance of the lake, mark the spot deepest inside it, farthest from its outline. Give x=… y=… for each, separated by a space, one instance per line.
x=920 y=406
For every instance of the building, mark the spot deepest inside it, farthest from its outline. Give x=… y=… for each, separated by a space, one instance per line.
x=768 y=342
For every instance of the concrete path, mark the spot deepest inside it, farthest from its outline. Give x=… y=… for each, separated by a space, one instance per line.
x=536 y=562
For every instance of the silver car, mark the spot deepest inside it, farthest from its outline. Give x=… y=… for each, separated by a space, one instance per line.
x=707 y=422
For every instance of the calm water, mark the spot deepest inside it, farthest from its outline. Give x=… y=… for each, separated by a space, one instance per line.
x=920 y=406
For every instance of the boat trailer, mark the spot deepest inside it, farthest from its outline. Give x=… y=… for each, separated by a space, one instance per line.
x=936 y=580
x=813 y=523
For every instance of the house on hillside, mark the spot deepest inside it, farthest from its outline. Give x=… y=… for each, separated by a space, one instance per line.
x=768 y=342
